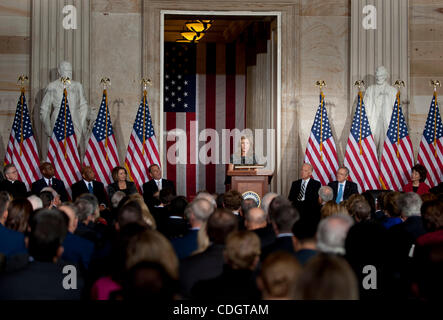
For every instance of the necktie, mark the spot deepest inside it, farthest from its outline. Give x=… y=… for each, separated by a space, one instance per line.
x=158 y=184
x=90 y=187
x=302 y=191
x=50 y=182
x=339 y=194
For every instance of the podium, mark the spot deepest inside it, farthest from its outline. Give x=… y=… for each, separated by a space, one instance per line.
x=256 y=180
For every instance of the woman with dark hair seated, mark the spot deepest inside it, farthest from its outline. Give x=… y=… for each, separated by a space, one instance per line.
x=418 y=177
x=119 y=175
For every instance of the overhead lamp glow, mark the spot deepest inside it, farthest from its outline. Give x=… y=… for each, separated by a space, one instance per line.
x=192 y=36
x=199 y=25
x=183 y=40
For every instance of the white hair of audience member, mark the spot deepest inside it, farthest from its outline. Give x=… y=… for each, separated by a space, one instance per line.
x=36 y=202
x=410 y=204
x=54 y=193
x=266 y=201
x=201 y=208
x=332 y=232
x=207 y=196
x=116 y=198
x=325 y=193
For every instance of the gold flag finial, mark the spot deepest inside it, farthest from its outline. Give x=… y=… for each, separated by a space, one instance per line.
x=320 y=84
x=435 y=84
x=21 y=80
x=146 y=82
x=360 y=84
x=105 y=82
x=65 y=80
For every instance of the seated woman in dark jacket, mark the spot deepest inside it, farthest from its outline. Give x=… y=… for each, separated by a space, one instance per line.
x=119 y=175
x=418 y=177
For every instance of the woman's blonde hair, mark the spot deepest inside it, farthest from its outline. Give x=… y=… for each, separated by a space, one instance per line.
x=152 y=246
x=146 y=214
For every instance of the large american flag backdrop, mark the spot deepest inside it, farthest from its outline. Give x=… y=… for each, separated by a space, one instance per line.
x=431 y=145
x=22 y=148
x=204 y=87
x=397 y=157
x=62 y=151
x=361 y=154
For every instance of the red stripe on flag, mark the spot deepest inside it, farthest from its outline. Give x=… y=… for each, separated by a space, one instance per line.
x=210 y=123
x=190 y=167
x=170 y=125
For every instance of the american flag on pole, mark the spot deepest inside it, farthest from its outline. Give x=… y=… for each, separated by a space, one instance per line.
x=361 y=153
x=22 y=149
x=62 y=151
x=101 y=153
x=398 y=156
x=430 y=154
x=205 y=88
x=321 y=152
x=142 y=148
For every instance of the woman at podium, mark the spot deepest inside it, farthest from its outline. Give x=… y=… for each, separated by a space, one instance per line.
x=244 y=156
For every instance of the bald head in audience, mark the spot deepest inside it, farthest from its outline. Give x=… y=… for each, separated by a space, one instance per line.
x=255 y=219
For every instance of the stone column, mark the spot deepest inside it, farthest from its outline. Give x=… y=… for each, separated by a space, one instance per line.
x=385 y=45
x=51 y=44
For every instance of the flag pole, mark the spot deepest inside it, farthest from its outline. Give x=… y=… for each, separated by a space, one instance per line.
x=435 y=84
x=320 y=84
x=22 y=78
x=360 y=84
x=398 y=84
x=145 y=83
x=65 y=96
x=105 y=82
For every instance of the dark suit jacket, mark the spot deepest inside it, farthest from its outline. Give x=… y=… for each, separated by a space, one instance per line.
x=130 y=188
x=280 y=244
x=185 y=245
x=16 y=189
x=311 y=193
x=39 y=281
x=57 y=185
x=176 y=227
x=11 y=242
x=150 y=187
x=350 y=189
x=77 y=250
x=266 y=235
x=202 y=266
x=98 y=189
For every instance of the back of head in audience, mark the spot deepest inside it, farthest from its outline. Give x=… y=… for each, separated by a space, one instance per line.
x=266 y=201
x=331 y=233
x=327 y=277
x=207 y=196
x=146 y=214
x=70 y=210
x=255 y=218
x=19 y=211
x=220 y=224
x=92 y=199
x=116 y=198
x=242 y=250
x=4 y=201
x=360 y=210
x=276 y=203
x=248 y=204
x=409 y=204
x=283 y=218
x=432 y=214
x=331 y=208
x=48 y=231
x=232 y=200
x=36 y=202
x=130 y=212
x=278 y=277
x=198 y=211
x=177 y=206
x=390 y=204
x=85 y=210
x=47 y=199
x=166 y=195
x=325 y=194
x=55 y=196
x=304 y=231
x=219 y=200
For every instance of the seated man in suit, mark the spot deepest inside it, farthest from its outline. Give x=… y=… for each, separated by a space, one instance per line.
x=306 y=188
x=49 y=180
x=89 y=185
x=11 y=184
x=151 y=189
x=342 y=188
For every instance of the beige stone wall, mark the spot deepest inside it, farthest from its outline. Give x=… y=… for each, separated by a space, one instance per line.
x=426 y=61
x=15 y=53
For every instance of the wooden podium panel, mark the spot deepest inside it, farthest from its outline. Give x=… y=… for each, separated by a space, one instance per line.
x=251 y=180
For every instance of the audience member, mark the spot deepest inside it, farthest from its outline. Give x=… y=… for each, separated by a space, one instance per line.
x=359 y=209
x=56 y=200
x=325 y=194
x=392 y=210
x=49 y=180
x=266 y=201
x=36 y=202
x=19 y=211
x=305 y=245
x=232 y=201
x=278 y=276
x=327 y=277
x=176 y=225
x=209 y=263
x=246 y=205
x=331 y=234
x=256 y=221
x=237 y=281
x=331 y=208
x=47 y=199
x=148 y=218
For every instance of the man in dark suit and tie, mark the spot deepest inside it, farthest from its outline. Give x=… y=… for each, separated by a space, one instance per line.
x=89 y=185
x=306 y=188
x=151 y=189
x=11 y=184
x=343 y=188
x=49 y=180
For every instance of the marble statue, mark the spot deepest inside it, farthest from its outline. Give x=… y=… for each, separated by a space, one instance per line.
x=51 y=103
x=379 y=102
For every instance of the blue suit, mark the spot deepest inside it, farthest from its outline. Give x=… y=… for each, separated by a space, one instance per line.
x=77 y=250
x=185 y=245
x=11 y=242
